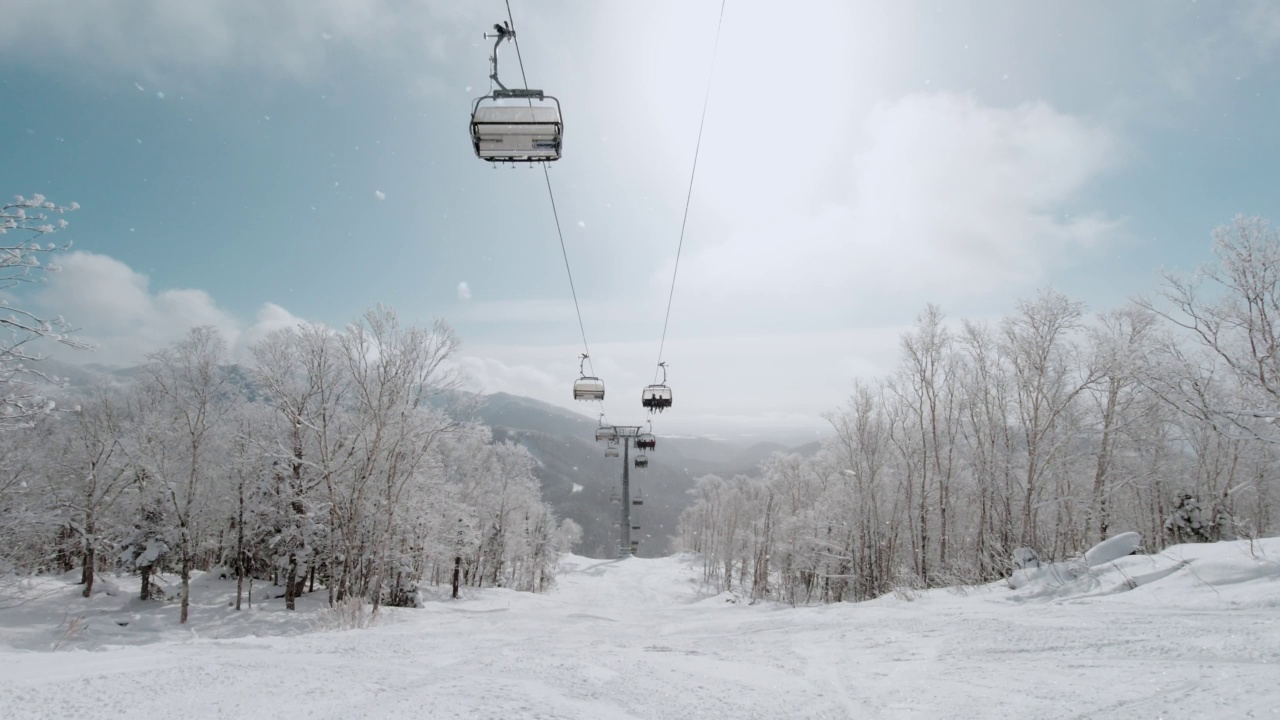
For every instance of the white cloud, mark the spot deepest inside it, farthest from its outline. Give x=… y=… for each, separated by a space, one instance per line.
x=120 y=313
x=379 y=194
x=464 y=291
x=948 y=196
x=281 y=38
x=270 y=317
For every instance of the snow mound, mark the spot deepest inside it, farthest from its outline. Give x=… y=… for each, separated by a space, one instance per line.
x=1242 y=573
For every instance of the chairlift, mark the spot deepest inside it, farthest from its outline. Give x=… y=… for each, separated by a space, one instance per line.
x=656 y=398
x=635 y=527
x=520 y=132
x=587 y=387
x=647 y=440
x=611 y=451
x=642 y=461
x=605 y=433
x=614 y=497
x=637 y=499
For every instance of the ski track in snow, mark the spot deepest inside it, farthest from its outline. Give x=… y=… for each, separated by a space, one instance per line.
x=637 y=639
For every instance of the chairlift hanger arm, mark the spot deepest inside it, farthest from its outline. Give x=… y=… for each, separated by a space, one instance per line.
x=504 y=32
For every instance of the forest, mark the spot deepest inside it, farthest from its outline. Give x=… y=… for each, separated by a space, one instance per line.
x=333 y=458
x=343 y=459
x=1036 y=437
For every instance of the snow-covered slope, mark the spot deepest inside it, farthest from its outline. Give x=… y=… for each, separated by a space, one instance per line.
x=1191 y=633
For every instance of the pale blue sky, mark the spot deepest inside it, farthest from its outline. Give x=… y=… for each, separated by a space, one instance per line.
x=860 y=160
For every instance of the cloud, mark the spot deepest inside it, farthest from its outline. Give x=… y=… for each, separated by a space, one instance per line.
x=464 y=291
x=292 y=38
x=379 y=194
x=948 y=196
x=270 y=317
x=120 y=314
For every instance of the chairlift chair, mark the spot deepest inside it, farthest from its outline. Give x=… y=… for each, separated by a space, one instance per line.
x=606 y=433
x=587 y=387
x=646 y=441
x=657 y=397
x=635 y=527
x=611 y=451
x=642 y=461
x=519 y=132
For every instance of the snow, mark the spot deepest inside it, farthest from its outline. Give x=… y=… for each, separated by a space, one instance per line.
x=1190 y=633
x=1113 y=548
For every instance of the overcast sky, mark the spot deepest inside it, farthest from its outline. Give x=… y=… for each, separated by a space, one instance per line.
x=248 y=164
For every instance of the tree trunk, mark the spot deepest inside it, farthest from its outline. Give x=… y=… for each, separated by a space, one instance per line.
x=145 y=594
x=86 y=575
x=457 y=574
x=291 y=583
x=240 y=543
x=186 y=586
x=1104 y=462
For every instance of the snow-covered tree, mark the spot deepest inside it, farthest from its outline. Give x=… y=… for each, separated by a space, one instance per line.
x=24 y=223
x=183 y=400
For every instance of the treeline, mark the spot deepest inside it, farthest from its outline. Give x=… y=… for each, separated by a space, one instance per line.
x=1050 y=430
x=330 y=460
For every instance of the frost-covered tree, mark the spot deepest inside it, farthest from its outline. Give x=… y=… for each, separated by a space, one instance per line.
x=183 y=401
x=24 y=223
x=1039 y=434
x=92 y=472
x=1231 y=310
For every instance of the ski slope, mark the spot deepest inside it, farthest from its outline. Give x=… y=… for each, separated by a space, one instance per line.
x=1191 y=633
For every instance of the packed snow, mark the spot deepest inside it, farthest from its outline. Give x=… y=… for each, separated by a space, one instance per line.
x=1193 y=632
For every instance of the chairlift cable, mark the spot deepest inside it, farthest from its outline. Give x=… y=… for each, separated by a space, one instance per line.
x=688 y=196
x=555 y=213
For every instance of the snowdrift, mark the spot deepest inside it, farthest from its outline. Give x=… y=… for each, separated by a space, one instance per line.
x=1235 y=574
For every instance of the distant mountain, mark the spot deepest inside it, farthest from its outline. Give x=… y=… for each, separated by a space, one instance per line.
x=564 y=444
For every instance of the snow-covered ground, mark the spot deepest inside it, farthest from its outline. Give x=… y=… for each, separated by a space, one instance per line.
x=1191 y=633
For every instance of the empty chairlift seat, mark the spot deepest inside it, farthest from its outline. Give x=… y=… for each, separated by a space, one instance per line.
x=517 y=132
x=588 y=388
x=606 y=433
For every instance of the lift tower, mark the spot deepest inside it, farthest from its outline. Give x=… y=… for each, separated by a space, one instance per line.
x=625 y=434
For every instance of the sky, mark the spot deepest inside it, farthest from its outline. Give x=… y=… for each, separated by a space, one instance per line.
x=251 y=165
